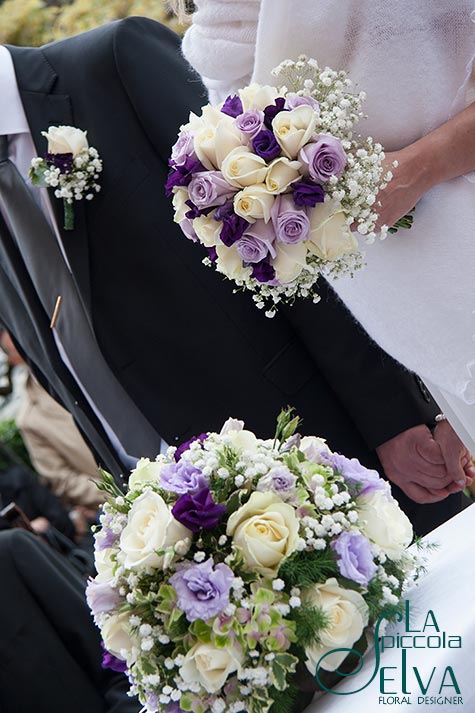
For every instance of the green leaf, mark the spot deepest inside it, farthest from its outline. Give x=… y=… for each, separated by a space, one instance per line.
x=201 y=630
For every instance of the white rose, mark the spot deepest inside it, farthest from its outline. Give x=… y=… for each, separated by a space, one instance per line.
x=383 y=522
x=239 y=437
x=180 y=196
x=348 y=616
x=204 y=135
x=104 y=564
x=117 y=635
x=227 y=137
x=254 y=203
x=330 y=237
x=232 y=424
x=243 y=168
x=66 y=139
x=146 y=471
x=210 y=666
x=293 y=129
x=229 y=263
x=313 y=447
x=151 y=526
x=257 y=96
x=282 y=172
x=289 y=261
x=207 y=229
x=266 y=530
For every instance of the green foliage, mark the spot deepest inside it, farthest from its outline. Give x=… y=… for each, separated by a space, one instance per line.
x=11 y=438
x=304 y=568
x=310 y=621
x=287 y=425
x=283 y=700
x=108 y=485
x=282 y=666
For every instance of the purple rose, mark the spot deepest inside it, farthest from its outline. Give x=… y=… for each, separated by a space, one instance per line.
x=323 y=158
x=187 y=227
x=232 y=106
x=265 y=145
x=355 y=560
x=101 y=597
x=263 y=271
x=250 y=123
x=307 y=193
x=183 y=149
x=272 y=110
x=233 y=229
x=203 y=590
x=291 y=224
x=186 y=445
x=354 y=473
x=112 y=662
x=292 y=101
x=209 y=188
x=182 y=477
x=182 y=175
x=198 y=512
x=257 y=242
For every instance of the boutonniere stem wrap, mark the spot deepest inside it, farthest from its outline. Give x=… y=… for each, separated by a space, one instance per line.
x=71 y=167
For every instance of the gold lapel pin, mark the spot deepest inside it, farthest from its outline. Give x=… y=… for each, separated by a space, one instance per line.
x=56 y=312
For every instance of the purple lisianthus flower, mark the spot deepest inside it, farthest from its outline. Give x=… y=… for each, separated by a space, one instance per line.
x=186 y=445
x=354 y=473
x=182 y=175
x=202 y=589
x=112 y=662
x=257 y=242
x=250 y=123
x=263 y=271
x=182 y=477
x=307 y=193
x=233 y=229
x=292 y=101
x=279 y=480
x=63 y=161
x=291 y=224
x=196 y=212
x=224 y=211
x=183 y=149
x=101 y=597
x=212 y=254
x=272 y=110
x=187 y=227
x=355 y=560
x=198 y=512
x=323 y=158
x=209 y=188
x=265 y=145
x=107 y=539
x=232 y=106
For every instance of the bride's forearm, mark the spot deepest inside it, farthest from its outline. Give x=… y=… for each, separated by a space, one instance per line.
x=447 y=152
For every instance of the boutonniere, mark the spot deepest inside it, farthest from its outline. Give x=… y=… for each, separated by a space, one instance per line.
x=70 y=166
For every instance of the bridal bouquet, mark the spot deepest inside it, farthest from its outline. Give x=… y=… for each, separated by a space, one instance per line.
x=272 y=180
x=232 y=560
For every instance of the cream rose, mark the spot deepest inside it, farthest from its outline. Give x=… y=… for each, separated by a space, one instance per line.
x=117 y=636
x=243 y=168
x=330 y=237
x=348 y=616
x=254 y=203
x=383 y=522
x=227 y=137
x=104 y=564
x=257 y=96
x=313 y=447
x=210 y=666
x=146 y=471
x=293 y=129
x=266 y=531
x=204 y=134
x=151 y=527
x=207 y=229
x=180 y=196
x=229 y=263
x=66 y=139
x=232 y=424
x=289 y=261
x=282 y=172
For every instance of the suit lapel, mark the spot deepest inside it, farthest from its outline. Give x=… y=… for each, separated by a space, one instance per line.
x=44 y=107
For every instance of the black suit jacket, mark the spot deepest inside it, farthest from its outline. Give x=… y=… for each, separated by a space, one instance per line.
x=186 y=349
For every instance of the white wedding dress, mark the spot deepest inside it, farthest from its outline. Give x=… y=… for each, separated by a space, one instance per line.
x=416 y=296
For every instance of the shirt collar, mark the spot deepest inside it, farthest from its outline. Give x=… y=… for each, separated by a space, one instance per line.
x=12 y=115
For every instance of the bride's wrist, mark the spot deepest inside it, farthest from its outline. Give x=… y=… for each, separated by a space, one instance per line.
x=424 y=165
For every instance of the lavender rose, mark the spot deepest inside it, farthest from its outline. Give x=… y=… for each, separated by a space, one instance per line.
x=265 y=145
x=292 y=101
x=187 y=228
x=307 y=193
x=323 y=158
x=199 y=511
x=250 y=123
x=256 y=242
x=291 y=224
x=183 y=149
x=209 y=188
x=182 y=478
x=232 y=106
x=355 y=560
x=202 y=589
x=355 y=474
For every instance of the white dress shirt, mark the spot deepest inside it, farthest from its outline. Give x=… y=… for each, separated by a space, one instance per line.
x=13 y=122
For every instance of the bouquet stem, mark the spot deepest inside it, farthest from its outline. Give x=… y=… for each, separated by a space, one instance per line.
x=68 y=215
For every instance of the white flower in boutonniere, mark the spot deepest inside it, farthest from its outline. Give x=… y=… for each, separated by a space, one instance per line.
x=71 y=167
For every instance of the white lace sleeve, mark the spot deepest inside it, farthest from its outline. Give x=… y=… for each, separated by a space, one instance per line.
x=220 y=44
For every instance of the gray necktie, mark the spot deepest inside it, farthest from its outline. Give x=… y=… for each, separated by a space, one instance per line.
x=41 y=254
